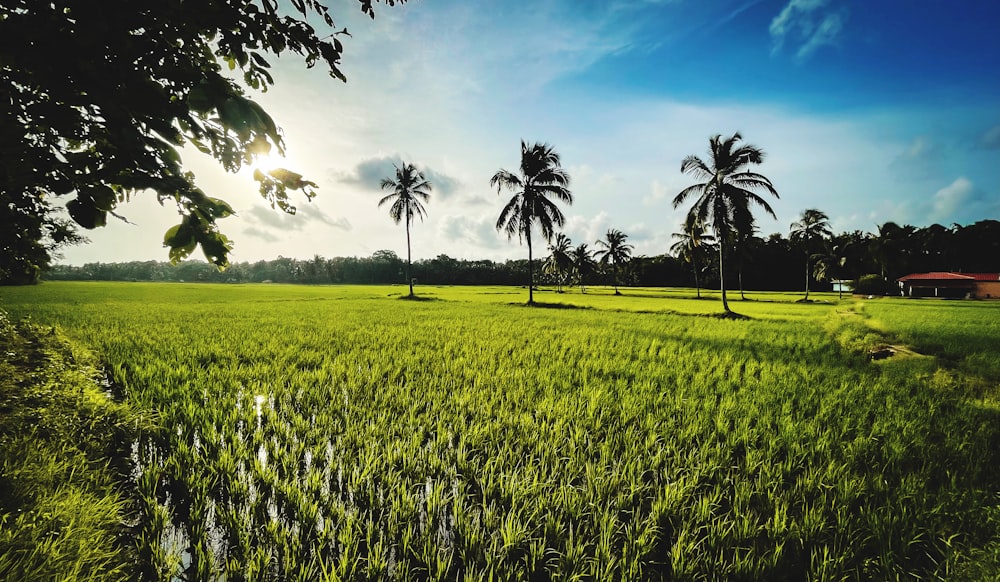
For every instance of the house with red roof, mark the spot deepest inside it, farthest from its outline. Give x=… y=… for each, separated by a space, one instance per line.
x=948 y=284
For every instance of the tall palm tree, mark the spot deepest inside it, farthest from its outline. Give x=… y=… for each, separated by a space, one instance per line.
x=810 y=230
x=615 y=251
x=583 y=265
x=408 y=190
x=541 y=178
x=829 y=263
x=727 y=192
x=559 y=264
x=691 y=242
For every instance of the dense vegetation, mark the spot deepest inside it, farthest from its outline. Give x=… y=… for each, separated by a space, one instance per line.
x=339 y=432
x=100 y=113
x=775 y=263
x=61 y=502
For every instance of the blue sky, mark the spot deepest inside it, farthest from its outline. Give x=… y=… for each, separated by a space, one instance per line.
x=870 y=111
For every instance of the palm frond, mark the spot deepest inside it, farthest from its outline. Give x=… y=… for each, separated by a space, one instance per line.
x=510 y=217
x=688 y=192
x=695 y=166
x=506 y=179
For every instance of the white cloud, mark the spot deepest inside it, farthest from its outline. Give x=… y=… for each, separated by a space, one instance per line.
x=807 y=23
x=825 y=34
x=658 y=193
x=587 y=229
x=470 y=232
x=948 y=201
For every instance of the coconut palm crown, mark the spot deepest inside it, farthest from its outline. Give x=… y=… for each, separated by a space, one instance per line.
x=813 y=227
x=727 y=191
x=541 y=179
x=691 y=242
x=409 y=190
x=583 y=265
x=559 y=264
x=614 y=250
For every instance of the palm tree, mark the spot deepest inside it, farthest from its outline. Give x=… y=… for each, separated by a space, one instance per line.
x=724 y=198
x=615 y=250
x=808 y=231
x=541 y=177
x=829 y=263
x=744 y=247
x=408 y=190
x=559 y=264
x=891 y=246
x=583 y=265
x=744 y=229
x=691 y=241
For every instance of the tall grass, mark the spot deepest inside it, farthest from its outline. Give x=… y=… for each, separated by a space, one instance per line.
x=337 y=433
x=961 y=335
x=61 y=512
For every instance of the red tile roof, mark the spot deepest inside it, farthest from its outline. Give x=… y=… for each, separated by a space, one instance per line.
x=946 y=276
x=939 y=276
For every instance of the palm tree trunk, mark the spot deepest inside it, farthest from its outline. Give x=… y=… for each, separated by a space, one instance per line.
x=615 y=269
x=697 y=287
x=807 y=278
x=531 y=280
x=409 y=278
x=742 y=296
x=722 y=281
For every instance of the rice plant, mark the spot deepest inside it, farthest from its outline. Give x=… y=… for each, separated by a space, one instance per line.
x=337 y=433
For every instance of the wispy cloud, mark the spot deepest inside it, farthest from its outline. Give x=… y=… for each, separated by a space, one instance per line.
x=262 y=219
x=991 y=139
x=658 y=191
x=369 y=174
x=949 y=200
x=807 y=25
x=733 y=14
x=474 y=232
x=262 y=234
x=921 y=158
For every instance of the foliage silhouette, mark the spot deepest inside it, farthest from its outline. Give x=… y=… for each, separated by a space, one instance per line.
x=810 y=232
x=724 y=198
x=97 y=99
x=559 y=264
x=409 y=189
x=691 y=242
x=614 y=250
x=583 y=265
x=541 y=178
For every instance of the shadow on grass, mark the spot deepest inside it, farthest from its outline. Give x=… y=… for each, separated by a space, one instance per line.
x=725 y=315
x=543 y=305
x=418 y=298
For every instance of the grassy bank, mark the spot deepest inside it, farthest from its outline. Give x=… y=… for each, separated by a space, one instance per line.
x=61 y=503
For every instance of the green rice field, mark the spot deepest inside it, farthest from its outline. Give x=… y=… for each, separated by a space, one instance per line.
x=342 y=433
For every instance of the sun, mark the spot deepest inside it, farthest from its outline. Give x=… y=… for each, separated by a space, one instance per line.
x=267 y=162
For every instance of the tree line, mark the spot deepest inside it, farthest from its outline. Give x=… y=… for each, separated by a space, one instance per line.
x=775 y=263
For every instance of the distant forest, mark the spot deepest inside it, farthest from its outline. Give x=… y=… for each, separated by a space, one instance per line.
x=772 y=263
